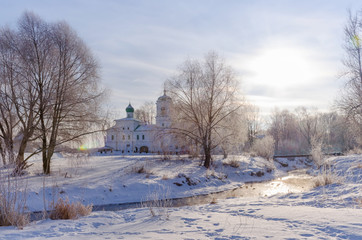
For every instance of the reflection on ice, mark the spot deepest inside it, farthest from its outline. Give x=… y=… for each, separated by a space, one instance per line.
x=276 y=188
x=296 y=181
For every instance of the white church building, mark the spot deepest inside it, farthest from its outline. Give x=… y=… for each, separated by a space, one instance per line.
x=130 y=135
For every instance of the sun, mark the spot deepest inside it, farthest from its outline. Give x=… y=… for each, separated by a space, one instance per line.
x=281 y=68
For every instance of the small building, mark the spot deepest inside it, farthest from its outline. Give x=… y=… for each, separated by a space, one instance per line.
x=130 y=135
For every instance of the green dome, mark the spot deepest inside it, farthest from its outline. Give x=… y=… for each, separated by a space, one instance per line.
x=129 y=108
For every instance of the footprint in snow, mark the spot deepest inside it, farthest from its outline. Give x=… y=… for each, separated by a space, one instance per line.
x=97 y=224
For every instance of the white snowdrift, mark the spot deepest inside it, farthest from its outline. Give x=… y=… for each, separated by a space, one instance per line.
x=330 y=212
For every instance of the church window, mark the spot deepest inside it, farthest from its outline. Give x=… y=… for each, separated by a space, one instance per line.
x=138 y=137
x=127 y=128
x=163 y=124
x=123 y=128
x=123 y=137
x=129 y=137
x=143 y=137
x=163 y=111
x=112 y=137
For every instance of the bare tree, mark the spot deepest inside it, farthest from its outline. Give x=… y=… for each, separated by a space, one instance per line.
x=284 y=130
x=19 y=97
x=50 y=84
x=73 y=104
x=8 y=117
x=351 y=100
x=310 y=126
x=252 y=119
x=36 y=50
x=205 y=94
x=146 y=113
x=234 y=134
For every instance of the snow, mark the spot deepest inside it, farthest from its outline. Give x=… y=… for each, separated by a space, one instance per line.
x=329 y=212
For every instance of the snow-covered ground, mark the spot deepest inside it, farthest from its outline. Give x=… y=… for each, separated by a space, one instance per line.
x=330 y=212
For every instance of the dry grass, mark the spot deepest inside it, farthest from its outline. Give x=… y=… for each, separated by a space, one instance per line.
x=359 y=201
x=78 y=160
x=359 y=165
x=326 y=178
x=159 y=203
x=165 y=177
x=141 y=169
x=13 y=194
x=213 y=201
x=63 y=209
x=355 y=151
x=232 y=163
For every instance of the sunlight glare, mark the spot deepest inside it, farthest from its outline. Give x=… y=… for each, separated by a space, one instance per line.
x=281 y=68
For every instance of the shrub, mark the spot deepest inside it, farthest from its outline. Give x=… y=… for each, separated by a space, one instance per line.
x=359 y=165
x=78 y=160
x=232 y=163
x=317 y=153
x=63 y=209
x=158 y=203
x=213 y=201
x=141 y=169
x=359 y=201
x=264 y=147
x=165 y=177
x=288 y=146
x=355 y=151
x=327 y=177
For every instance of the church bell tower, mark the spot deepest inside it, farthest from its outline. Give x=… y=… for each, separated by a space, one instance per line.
x=163 y=117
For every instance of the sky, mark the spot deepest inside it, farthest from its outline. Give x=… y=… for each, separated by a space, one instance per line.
x=285 y=53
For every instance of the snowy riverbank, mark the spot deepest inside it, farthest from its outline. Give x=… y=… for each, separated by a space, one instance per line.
x=330 y=212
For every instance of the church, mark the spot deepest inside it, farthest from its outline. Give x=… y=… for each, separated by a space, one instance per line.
x=130 y=135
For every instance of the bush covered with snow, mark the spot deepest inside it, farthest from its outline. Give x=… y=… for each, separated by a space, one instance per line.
x=264 y=147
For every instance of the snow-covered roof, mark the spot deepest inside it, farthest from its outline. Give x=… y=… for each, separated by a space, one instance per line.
x=127 y=119
x=146 y=127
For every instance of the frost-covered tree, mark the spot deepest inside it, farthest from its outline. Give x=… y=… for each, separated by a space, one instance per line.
x=284 y=130
x=51 y=79
x=205 y=94
x=351 y=100
x=252 y=121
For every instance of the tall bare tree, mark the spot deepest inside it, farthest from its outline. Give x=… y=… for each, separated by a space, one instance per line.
x=38 y=56
x=20 y=91
x=205 y=93
x=54 y=92
x=252 y=119
x=234 y=134
x=310 y=126
x=284 y=130
x=74 y=100
x=351 y=100
x=8 y=117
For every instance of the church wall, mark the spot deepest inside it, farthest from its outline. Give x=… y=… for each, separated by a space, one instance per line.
x=127 y=138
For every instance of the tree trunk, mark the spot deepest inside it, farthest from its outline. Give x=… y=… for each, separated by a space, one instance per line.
x=50 y=152
x=207 y=161
x=44 y=156
x=20 y=161
x=225 y=154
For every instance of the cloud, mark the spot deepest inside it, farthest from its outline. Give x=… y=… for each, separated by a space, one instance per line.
x=287 y=53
